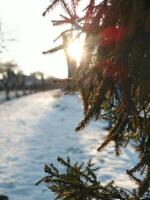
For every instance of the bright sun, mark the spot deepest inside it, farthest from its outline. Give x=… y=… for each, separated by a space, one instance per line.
x=75 y=50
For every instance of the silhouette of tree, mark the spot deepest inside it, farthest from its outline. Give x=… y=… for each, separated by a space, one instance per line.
x=40 y=76
x=8 y=77
x=68 y=35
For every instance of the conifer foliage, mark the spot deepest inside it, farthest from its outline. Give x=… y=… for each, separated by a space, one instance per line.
x=79 y=182
x=113 y=77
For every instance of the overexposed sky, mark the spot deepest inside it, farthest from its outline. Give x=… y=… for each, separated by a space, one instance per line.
x=33 y=33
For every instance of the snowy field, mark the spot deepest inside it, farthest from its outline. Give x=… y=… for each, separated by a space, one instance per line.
x=12 y=95
x=36 y=129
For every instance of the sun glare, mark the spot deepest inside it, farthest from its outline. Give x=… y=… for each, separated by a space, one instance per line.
x=75 y=50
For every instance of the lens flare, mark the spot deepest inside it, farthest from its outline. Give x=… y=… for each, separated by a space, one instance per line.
x=75 y=50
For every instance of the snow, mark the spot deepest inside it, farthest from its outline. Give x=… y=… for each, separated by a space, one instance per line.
x=12 y=95
x=38 y=128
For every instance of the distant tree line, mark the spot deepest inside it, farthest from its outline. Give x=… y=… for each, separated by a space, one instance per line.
x=13 y=80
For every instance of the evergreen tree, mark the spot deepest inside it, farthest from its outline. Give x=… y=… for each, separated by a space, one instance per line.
x=114 y=72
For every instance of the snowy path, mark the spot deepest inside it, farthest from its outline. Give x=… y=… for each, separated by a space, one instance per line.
x=35 y=130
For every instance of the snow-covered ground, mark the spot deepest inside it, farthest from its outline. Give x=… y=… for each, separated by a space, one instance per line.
x=12 y=95
x=36 y=129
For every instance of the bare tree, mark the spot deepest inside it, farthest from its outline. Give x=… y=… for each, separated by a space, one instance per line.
x=8 y=77
x=68 y=35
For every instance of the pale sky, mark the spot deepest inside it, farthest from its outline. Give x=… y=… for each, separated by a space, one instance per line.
x=33 y=33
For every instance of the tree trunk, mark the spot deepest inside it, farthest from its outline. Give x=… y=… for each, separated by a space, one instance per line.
x=71 y=62
x=7 y=91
